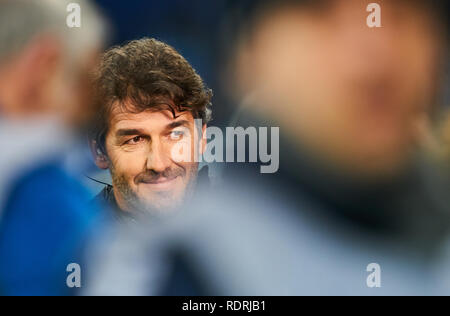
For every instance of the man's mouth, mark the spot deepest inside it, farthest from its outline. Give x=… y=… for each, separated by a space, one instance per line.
x=161 y=184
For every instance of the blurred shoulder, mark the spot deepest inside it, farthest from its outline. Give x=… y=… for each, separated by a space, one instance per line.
x=51 y=188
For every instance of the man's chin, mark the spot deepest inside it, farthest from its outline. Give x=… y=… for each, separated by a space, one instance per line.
x=161 y=203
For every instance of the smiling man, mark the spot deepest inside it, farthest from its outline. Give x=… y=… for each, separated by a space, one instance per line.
x=147 y=133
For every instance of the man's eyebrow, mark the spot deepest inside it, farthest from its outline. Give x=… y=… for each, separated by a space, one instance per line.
x=128 y=132
x=177 y=124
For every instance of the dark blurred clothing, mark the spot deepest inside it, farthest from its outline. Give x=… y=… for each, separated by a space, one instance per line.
x=412 y=209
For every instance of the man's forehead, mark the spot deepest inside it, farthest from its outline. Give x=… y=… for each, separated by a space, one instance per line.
x=121 y=118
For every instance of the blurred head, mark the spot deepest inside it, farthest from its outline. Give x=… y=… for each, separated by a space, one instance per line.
x=44 y=63
x=357 y=97
x=145 y=133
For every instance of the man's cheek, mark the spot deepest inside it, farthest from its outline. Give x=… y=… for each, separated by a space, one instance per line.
x=128 y=167
x=183 y=152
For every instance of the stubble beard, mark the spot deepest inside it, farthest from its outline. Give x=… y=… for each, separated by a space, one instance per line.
x=169 y=204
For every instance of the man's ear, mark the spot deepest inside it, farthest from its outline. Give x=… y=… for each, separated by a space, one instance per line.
x=100 y=158
x=204 y=140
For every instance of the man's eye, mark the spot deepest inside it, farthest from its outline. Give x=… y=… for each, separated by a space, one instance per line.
x=176 y=135
x=135 y=140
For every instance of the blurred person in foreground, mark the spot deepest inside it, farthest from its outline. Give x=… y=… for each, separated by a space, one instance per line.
x=353 y=104
x=45 y=213
x=145 y=132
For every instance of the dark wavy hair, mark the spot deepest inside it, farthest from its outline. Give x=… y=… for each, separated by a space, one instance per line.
x=143 y=75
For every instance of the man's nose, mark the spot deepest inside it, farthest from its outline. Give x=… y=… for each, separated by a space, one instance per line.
x=158 y=159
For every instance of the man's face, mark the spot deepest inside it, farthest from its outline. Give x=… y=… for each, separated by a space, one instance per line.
x=356 y=95
x=152 y=158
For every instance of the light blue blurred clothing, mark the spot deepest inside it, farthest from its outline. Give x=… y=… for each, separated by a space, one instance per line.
x=47 y=216
x=25 y=144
